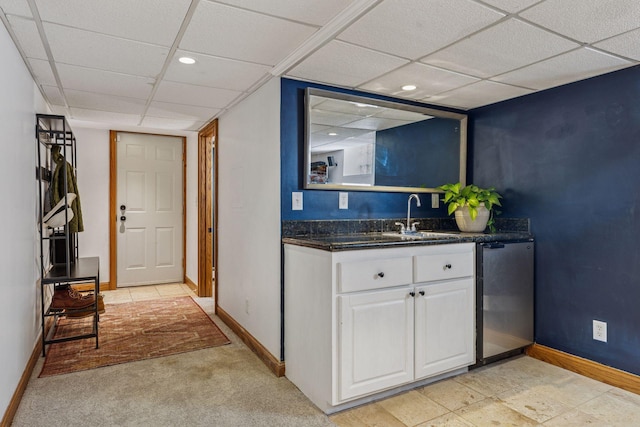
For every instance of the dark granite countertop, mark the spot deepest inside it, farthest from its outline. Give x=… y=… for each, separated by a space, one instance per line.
x=353 y=241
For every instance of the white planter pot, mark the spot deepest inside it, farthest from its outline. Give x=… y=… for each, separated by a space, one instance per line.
x=467 y=225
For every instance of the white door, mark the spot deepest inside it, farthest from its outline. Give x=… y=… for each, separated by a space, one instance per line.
x=445 y=327
x=375 y=341
x=150 y=209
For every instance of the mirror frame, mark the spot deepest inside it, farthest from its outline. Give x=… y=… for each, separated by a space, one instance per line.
x=386 y=104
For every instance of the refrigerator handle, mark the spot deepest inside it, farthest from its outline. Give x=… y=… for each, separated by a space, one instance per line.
x=493 y=245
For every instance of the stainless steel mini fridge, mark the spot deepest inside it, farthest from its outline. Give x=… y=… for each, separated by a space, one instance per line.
x=504 y=320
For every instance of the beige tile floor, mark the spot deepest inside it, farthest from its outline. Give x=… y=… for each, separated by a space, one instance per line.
x=147 y=292
x=519 y=392
x=141 y=293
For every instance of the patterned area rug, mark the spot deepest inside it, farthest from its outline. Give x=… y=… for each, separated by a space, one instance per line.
x=133 y=331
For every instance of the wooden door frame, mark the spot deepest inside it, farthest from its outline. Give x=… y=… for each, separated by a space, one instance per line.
x=207 y=210
x=113 y=203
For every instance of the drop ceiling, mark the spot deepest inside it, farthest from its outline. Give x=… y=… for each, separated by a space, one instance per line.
x=115 y=62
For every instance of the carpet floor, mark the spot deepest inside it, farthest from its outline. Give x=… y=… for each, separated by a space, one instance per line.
x=224 y=386
x=133 y=331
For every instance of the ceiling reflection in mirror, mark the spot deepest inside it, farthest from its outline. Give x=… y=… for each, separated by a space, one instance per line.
x=361 y=143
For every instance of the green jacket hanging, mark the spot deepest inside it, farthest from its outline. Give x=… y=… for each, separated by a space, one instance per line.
x=58 y=189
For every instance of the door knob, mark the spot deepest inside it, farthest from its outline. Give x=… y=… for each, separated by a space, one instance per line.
x=123 y=218
x=413 y=294
x=421 y=293
x=122 y=207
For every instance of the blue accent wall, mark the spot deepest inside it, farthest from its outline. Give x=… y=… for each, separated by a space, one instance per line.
x=323 y=204
x=569 y=158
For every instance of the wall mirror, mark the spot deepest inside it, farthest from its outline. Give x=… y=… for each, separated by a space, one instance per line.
x=359 y=143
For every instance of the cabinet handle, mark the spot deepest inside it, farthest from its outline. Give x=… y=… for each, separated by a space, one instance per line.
x=381 y=274
x=421 y=293
x=413 y=294
x=446 y=266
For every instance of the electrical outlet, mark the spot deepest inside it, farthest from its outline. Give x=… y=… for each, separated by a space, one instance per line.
x=600 y=331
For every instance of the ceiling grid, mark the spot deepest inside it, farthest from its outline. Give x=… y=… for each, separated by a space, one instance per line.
x=116 y=62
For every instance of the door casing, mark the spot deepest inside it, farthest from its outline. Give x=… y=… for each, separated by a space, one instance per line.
x=207 y=219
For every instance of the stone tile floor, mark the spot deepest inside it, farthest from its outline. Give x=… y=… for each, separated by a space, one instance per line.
x=521 y=391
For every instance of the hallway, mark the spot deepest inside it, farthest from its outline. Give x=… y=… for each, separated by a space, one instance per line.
x=230 y=386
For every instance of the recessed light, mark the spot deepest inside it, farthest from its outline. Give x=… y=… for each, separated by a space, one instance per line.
x=332 y=134
x=409 y=87
x=187 y=60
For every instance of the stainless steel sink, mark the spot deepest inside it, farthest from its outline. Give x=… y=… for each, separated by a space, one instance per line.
x=429 y=234
x=422 y=235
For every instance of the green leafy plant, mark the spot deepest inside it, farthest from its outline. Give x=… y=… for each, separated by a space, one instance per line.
x=472 y=197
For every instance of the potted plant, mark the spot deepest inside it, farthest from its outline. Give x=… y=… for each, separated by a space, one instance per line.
x=473 y=206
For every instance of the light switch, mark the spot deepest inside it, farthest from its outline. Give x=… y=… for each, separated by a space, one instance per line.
x=296 y=201
x=435 y=200
x=344 y=201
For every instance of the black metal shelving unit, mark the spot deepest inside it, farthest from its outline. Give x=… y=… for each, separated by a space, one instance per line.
x=60 y=268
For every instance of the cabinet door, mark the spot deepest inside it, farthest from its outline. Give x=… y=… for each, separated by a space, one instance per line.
x=444 y=333
x=375 y=331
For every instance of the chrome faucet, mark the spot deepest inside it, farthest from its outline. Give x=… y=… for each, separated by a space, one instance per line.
x=409 y=228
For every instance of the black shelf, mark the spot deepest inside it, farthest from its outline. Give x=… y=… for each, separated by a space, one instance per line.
x=51 y=131
x=82 y=270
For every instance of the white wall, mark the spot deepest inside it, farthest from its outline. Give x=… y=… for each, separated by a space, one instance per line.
x=248 y=270
x=192 y=207
x=93 y=185
x=93 y=182
x=19 y=291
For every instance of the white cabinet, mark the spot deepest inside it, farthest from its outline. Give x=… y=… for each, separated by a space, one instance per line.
x=375 y=341
x=444 y=327
x=364 y=321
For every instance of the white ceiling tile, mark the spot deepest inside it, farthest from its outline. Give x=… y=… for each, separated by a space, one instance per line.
x=428 y=81
x=104 y=116
x=180 y=111
x=415 y=28
x=586 y=20
x=511 y=6
x=175 y=124
x=196 y=126
x=151 y=21
x=16 y=7
x=344 y=64
x=53 y=95
x=106 y=82
x=42 y=71
x=478 y=94
x=308 y=11
x=230 y=32
x=59 y=110
x=572 y=66
x=501 y=48
x=95 y=101
x=108 y=53
x=627 y=44
x=93 y=50
x=28 y=36
x=201 y=96
x=215 y=72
